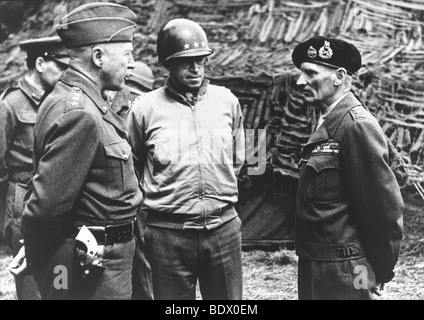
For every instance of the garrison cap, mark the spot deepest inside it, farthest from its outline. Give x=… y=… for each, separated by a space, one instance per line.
x=97 y=22
x=333 y=53
x=47 y=47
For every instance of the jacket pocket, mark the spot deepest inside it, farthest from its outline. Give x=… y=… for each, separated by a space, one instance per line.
x=323 y=179
x=15 y=201
x=120 y=172
x=26 y=121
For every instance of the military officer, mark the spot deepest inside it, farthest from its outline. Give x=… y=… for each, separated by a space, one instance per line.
x=349 y=206
x=193 y=232
x=78 y=221
x=46 y=60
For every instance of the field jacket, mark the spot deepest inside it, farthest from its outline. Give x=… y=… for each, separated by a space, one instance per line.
x=18 y=110
x=189 y=153
x=349 y=204
x=84 y=172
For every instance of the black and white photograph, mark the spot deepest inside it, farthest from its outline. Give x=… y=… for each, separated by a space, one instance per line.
x=230 y=151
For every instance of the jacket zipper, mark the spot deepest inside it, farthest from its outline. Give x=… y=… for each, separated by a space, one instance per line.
x=199 y=165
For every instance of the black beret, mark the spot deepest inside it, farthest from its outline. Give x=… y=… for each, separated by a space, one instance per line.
x=97 y=22
x=46 y=47
x=334 y=53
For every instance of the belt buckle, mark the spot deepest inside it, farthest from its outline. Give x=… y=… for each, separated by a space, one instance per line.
x=344 y=252
x=111 y=226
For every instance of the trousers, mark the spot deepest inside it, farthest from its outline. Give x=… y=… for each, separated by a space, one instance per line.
x=180 y=258
x=26 y=287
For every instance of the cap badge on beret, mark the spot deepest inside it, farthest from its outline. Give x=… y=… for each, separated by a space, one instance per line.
x=325 y=51
x=312 y=53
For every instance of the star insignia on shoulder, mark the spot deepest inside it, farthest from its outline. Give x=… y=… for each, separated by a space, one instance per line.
x=358 y=113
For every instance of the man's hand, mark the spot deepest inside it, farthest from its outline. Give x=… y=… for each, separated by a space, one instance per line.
x=18 y=264
x=379 y=289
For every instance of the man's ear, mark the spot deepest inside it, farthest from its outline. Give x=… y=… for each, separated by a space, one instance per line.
x=97 y=54
x=340 y=74
x=39 y=64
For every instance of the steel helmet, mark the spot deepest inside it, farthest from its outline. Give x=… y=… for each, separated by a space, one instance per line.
x=142 y=75
x=182 y=38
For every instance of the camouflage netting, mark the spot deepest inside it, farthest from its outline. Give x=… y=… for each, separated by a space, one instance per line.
x=253 y=41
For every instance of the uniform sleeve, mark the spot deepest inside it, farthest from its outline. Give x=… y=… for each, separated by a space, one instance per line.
x=136 y=137
x=239 y=140
x=69 y=147
x=7 y=123
x=375 y=196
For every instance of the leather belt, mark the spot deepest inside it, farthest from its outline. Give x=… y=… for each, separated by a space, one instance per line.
x=110 y=234
x=330 y=252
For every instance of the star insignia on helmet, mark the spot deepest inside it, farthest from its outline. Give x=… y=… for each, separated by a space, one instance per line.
x=203 y=43
x=186 y=46
x=196 y=44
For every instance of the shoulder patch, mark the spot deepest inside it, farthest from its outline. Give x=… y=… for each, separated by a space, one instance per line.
x=358 y=113
x=75 y=99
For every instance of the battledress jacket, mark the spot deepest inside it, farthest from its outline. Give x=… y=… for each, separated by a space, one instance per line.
x=18 y=110
x=84 y=172
x=349 y=204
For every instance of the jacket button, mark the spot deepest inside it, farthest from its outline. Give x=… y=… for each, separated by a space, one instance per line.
x=125 y=156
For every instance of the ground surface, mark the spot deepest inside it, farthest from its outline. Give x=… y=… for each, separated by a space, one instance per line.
x=272 y=275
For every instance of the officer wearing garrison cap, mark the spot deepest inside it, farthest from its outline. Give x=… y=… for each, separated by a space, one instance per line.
x=83 y=200
x=349 y=206
x=46 y=61
x=188 y=139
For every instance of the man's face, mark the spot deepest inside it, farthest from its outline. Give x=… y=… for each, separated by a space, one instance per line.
x=187 y=72
x=317 y=84
x=52 y=73
x=117 y=63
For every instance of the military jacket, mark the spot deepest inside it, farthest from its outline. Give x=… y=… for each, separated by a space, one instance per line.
x=18 y=110
x=84 y=172
x=349 y=203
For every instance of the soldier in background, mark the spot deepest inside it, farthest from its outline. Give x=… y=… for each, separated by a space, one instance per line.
x=46 y=60
x=140 y=80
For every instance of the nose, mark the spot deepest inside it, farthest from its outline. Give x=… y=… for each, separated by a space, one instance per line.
x=194 y=66
x=301 y=80
x=131 y=62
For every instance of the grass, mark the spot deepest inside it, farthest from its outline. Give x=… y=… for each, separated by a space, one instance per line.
x=7 y=283
x=272 y=275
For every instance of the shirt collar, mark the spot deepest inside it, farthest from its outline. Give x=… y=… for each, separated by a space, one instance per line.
x=34 y=94
x=186 y=97
x=327 y=111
